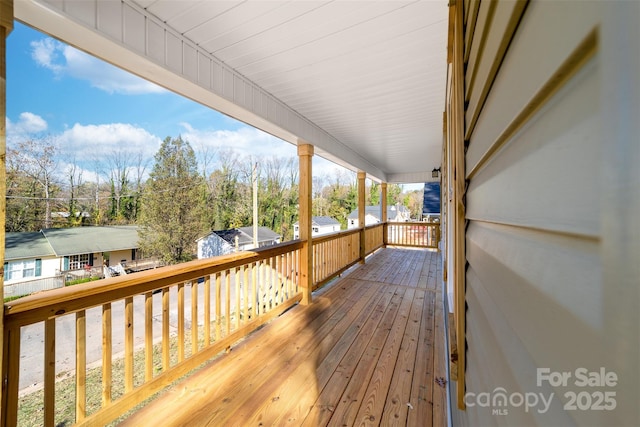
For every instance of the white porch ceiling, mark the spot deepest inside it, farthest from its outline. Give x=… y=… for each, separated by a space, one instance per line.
x=363 y=81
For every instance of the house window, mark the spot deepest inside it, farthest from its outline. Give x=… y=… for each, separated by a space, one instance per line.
x=22 y=269
x=77 y=262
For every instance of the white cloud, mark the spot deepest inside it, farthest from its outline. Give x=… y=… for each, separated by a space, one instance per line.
x=91 y=142
x=63 y=60
x=246 y=141
x=251 y=142
x=27 y=123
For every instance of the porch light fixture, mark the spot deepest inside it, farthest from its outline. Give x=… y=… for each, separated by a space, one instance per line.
x=435 y=173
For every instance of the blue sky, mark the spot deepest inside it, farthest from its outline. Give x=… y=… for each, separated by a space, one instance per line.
x=91 y=109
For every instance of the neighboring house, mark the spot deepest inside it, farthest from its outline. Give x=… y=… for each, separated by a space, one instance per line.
x=39 y=260
x=397 y=213
x=320 y=225
x=431 y=201
x=224 y=242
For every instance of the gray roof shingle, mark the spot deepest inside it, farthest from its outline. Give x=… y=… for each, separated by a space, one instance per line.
x=26 y=245
x=70 y=241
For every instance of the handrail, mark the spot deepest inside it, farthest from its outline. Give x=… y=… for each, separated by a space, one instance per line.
x=414 y=234
x=44 y=305
x=231 y=296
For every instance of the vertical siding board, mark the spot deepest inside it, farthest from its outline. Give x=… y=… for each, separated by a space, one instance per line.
x=539 y=54
x=109 y=18
x=470 y=25
x=156 y=42
x=533 y=235
x=558 y=199
x=84 y=11
x=134 y=28
x=503 y=25
x=173 y=52
x=189 y=62
x=204 y=71
x=478 y=41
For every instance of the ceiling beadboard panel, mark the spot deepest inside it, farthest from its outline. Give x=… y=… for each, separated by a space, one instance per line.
x=361 y=80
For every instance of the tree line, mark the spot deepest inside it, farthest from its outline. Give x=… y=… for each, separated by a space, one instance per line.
x=175 y=198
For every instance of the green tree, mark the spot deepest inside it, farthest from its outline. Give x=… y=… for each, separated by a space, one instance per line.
x=172 y=206
x=229 y=193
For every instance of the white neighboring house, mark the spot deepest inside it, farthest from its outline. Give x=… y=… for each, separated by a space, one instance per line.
x=397 y=213
x=42 y=260
x=320 y=225
x=224 y=242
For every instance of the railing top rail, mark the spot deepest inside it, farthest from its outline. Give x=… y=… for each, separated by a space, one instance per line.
x=38 y=307
x=423 y=223
x=333 y=236
x=370 y=226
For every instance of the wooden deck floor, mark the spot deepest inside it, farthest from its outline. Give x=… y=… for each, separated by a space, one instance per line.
x=369 y=351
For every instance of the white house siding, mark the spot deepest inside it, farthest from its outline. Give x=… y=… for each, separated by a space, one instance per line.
x=549 y=207
x=49 y=278
x=115 y=257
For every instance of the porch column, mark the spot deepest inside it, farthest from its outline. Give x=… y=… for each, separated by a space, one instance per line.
x=305 y=153
x=383 y=214
x=361 y=213
x=6 y=25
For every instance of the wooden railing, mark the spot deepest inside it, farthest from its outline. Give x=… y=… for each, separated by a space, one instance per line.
x=336 y=252
x=333 y=254
x=419 y=234
x=150 y=328
x=373 y=238
x=209 y=303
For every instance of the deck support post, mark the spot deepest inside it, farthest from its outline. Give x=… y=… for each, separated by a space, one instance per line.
x=361 y=213
x=305 y=154
x=6 y=25
x=383 y=214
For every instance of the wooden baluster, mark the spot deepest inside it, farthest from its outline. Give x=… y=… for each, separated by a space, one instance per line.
x=194 y=317
x=238 y=290
x=81 y=365
x=254 y=289
x=227 y=300
x=10 y=376
x=245 y=291
x=180 y=322
x=218 y=307
x=207 y=311
x=49 y=372
x=148 y=336
x=106 y=354
x=166 y=342
x=128 y=344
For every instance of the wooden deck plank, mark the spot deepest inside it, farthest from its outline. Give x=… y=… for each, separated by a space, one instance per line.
x=375 y=397
x=347 y=405
x=368 y=350
x=336 y=369
x=397 y=402
x=266 y=404
x=422 y=387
